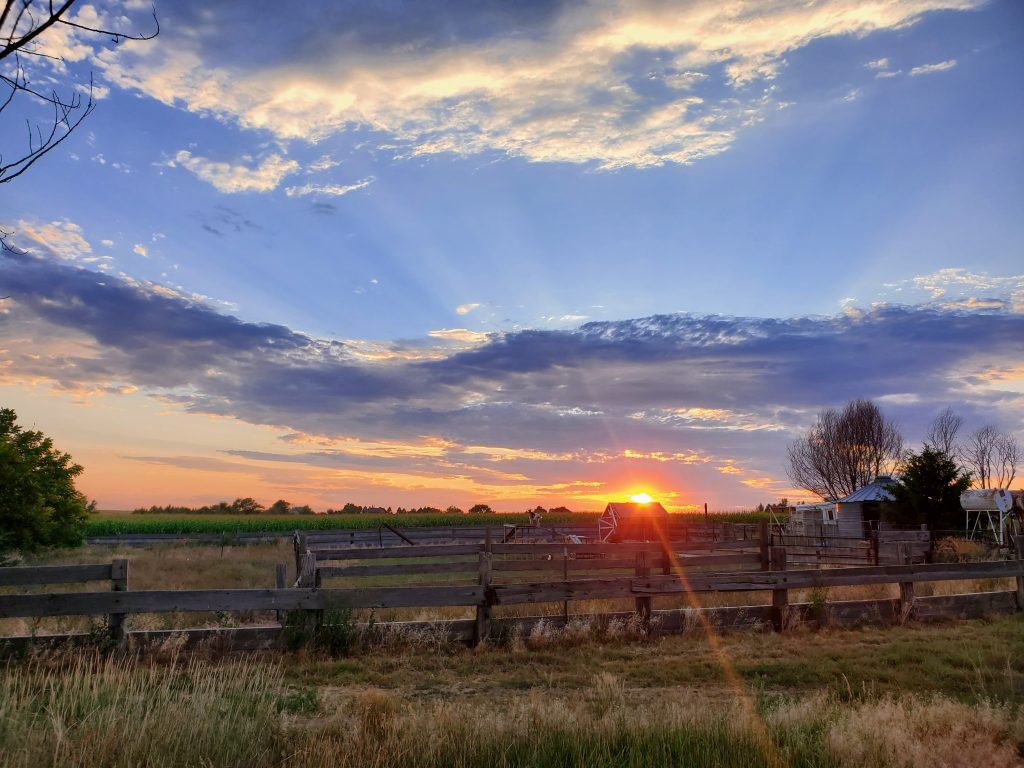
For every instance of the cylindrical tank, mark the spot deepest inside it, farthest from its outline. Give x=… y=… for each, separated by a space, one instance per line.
x=987 y=500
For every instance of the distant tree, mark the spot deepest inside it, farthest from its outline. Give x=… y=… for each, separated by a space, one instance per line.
x=560 y=511
x=991 y=457
x=943 y=432
x=351 y=509
x=929 y=489
x=246 y=506
x=39 y=504
x=453 y=510
x=481 y=509
x=538 y=510
x=845 y=450
x=303 y=509
x=279 y=507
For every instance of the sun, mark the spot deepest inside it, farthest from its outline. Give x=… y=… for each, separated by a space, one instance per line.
x=641 y=498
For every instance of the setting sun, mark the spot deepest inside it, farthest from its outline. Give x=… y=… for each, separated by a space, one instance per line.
x=641 y=498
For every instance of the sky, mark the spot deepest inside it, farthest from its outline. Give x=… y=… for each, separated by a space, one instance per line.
x=411 y=253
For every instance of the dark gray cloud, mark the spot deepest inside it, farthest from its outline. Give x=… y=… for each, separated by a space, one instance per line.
x=667 y=382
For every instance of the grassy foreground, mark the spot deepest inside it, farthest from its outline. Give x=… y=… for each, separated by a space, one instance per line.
x=939 y=696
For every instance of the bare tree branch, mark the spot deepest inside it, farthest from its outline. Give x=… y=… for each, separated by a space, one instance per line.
x=992 y=457
x=845 y=450
x=943 y=432
x=22 y=22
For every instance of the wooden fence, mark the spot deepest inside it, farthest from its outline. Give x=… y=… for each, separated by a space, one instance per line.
x=655 y=572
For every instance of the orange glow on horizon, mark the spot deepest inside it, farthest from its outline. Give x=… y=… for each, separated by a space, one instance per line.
x=641 y=498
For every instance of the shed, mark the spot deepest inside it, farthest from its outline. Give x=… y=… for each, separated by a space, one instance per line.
x=856 y=513
x=633 y=521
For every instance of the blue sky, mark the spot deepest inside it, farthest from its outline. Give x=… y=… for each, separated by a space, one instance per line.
x=457 y=217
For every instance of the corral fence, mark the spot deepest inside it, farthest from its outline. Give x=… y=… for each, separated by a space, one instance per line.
x=885 y=546
x=396 y=535
x=556 y=573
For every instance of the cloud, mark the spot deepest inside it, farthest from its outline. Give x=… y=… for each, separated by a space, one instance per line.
x=140 y=249
x=462 y=335
x=232 y=179
x=332 y=190
x=616 y=84
x=878 y=64
x=465 y=309
x=927 y=69
x=62 y=238
x=696 y=394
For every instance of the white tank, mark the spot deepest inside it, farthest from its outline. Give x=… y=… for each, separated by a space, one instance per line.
x=987 y=500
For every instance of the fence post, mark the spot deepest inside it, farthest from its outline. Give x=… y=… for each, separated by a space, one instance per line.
x=483 y=609
x=119 y=583
x=780 y=597
x=565 y=577
x=1019 y=543
x=297 y=546
x=308 y=580
x=875 y=547
x=280 y=582
x=643 y=604
x=903 y=557
x=765 y=541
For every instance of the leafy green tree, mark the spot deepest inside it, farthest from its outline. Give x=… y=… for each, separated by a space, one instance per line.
x=246 y=506
x=39 y=505
x=279 y=507
x=481 y=509
x=929 y=491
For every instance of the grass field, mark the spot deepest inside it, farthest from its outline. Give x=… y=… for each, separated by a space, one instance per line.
x=913 y=696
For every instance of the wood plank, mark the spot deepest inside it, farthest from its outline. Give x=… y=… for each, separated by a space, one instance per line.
x=170 y=601
x=803 y=579
x=53 y=574
x=399 y=569
x=426 y=550
x=560 y=591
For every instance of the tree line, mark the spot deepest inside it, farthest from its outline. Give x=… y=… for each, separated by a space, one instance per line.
x=848 y=448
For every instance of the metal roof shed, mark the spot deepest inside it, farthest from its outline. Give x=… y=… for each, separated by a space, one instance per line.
x=864 y=505
x=632 y=521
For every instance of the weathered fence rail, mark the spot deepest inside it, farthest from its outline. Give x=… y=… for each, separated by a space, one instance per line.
x=679 y=575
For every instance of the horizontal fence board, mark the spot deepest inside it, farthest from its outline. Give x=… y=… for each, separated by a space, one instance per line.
x=436 y=550
x=198 y=601
x=400 y=569
x=559 y=591
x=53 y=574
x=802 y=579
x=845 y=613
x=597 y=564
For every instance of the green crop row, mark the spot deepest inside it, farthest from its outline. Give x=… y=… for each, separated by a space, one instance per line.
x=118 y=525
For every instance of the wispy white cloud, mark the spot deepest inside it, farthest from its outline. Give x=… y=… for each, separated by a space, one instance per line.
x=465 y=309
x=331 y=190
x=140 y=249
x=882 y=63
x=62 y=237
x=233 y=178
x=927 y=69
x=566 y=96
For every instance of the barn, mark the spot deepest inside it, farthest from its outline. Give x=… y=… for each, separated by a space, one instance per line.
x=633 y=521
x=858 y=513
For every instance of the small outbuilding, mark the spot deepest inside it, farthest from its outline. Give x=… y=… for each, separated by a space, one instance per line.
x=633 y=521
x=861 y=511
